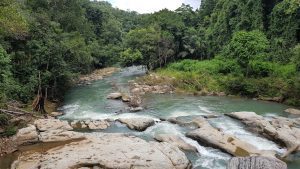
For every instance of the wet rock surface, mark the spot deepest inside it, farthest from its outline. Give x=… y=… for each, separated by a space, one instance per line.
x=257 y=162
x=280 y=129
x=139 y=124
x=107 y=151
x=176 y=141
x=210 y=136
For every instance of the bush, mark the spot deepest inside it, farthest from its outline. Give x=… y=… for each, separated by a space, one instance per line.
x=260 y=69
x=10 y=131
x=3 y=120
x=207 y=66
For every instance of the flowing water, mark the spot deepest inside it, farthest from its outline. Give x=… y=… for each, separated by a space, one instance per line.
x=89 y=102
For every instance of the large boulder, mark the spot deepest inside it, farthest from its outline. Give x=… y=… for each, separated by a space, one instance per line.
x=256 y=162
x=52 y=124
x=279 y=129
x=176 y=141
x=59 y=135
x=139 y=124
x=293 y=111
x=26 y=135
x=107 y=151
x=210 y=136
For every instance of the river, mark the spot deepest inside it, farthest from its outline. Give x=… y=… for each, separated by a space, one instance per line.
x=89 y=102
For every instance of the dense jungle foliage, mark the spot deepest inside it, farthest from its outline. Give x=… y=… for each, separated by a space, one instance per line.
x=244 y=47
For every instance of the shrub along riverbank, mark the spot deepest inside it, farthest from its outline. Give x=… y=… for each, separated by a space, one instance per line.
x=244 y=68
x=282 y=83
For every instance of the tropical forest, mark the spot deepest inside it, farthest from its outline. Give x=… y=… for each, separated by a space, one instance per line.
x=173 y=84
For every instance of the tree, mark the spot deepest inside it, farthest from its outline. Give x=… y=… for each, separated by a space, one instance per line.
x=5 y=73
x=145 y=40
x=284 y=29
x=246 y=47
x=12 y=22
x=131 y=57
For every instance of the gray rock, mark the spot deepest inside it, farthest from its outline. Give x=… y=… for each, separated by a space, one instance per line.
x=107 y=151
x=56 y=114
x=293 y=111
x=52 y=124
x=139 y=124
x=26 y=135
x=98 y=124
x=279 y=129
x=256 y=163
x=116 y=95
x=176 y=141
x=59 y=135
x=136 y=109
x=211 y=136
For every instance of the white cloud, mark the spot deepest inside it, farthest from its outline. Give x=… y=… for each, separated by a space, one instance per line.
x=149 y=6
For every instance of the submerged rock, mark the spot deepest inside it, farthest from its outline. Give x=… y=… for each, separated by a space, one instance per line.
x=211 y=136
x=256 y=162
x=52 y=124
x=280 y=129
x=26 y=135
x=107 y=151
x=139 y=124
x=176 y=141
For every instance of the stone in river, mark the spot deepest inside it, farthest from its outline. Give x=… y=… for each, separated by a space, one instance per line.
x=176 y=141
x=256 y=162
x=139 y=124
x=116 y=95
x=210 y=136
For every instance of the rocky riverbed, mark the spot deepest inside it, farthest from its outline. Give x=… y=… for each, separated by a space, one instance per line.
x=99 y=130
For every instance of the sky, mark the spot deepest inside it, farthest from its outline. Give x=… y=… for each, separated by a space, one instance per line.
x=149 y=6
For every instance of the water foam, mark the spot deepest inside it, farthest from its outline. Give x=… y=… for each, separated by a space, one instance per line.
x=237 y=129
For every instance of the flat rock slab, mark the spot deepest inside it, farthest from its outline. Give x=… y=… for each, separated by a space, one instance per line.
x=176 y=141
x=140 y=124
x=52 y=124
x=211 y=136
x=279 y=129
x=59 y=135
x=107 y=151
x=256 y=163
